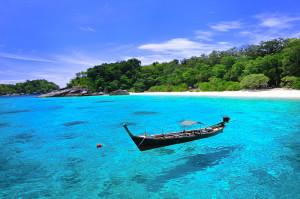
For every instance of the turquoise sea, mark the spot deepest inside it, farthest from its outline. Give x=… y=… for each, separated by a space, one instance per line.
x=48 y=148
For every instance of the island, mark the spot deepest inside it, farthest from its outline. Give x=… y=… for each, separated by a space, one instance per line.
x=270 y=64
x=32 y=87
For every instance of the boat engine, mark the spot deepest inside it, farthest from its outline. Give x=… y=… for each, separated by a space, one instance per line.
x=226 y=119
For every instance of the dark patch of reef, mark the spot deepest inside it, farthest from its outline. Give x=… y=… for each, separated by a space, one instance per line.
x=74 y=123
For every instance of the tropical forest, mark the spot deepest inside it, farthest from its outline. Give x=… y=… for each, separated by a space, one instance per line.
x=28 y=87
x=273 y=63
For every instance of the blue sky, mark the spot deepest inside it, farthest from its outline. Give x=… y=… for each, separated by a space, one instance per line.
x=54 y=39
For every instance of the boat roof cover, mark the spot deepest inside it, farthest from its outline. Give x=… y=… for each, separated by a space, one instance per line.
x=189 y=123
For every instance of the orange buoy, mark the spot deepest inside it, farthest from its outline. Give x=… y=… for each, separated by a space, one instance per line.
x=99 y=145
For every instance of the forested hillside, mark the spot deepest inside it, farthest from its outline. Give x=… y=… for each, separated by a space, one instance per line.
x=272 y=63
x=28 y=87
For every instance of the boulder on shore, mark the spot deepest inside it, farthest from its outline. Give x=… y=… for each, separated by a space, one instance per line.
x=119 y=92
x=71 y=92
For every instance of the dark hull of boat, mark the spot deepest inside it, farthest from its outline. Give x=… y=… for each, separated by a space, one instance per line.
x=151 y=143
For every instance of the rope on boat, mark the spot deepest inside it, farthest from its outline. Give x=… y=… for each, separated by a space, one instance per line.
x=138 y=145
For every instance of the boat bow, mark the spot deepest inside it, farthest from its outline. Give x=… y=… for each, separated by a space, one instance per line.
x=127 y=130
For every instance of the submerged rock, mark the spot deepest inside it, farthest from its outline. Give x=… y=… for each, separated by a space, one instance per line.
x=119 y=92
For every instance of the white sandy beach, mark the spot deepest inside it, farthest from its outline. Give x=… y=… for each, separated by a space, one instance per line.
x=266 y=93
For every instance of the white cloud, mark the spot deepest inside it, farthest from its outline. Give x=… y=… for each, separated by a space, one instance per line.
x=179 y=48
x=23 y=57
x=256 y=37
x=245 y=33
x=226 y=26
x=6 y=72
x=74 y=60
x=88 y=29
x=271 y=26
x=223 y=43
x=204 y=35
x=79 y=59
x=177 y=44
x=277 y=21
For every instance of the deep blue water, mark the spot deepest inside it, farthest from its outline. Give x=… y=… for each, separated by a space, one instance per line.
x=48 y=148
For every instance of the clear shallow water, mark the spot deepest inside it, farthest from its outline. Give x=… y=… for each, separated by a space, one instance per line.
x=48 y=148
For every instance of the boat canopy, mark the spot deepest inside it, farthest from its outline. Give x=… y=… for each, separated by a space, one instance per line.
x=190 y=123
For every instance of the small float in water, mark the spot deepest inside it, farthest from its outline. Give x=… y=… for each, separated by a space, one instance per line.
x=146 y=142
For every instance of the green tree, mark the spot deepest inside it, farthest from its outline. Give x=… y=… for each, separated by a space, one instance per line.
x=254 y=81
x=190 y=76
x=272 y=47
x=219 y=70
x=214 y=58
x=291 y=58
x=228 y=62
x=249 y=50
x=290 y=81
x=28 y=87
x=238 y=68
x=139 y=87
x=205 y=72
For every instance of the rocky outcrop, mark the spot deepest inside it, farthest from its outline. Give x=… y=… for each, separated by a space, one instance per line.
x=119 y=92
x=71 y=92
x=79 y=91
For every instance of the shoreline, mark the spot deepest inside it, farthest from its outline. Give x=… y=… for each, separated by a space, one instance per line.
x=265 y=93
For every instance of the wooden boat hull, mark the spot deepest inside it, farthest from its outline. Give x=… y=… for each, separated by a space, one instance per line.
x=152 y=143
x=144 y=142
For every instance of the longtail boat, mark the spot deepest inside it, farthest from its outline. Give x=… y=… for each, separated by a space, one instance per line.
x=146 y=142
